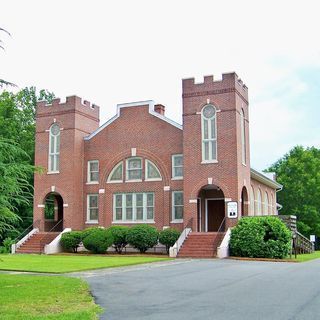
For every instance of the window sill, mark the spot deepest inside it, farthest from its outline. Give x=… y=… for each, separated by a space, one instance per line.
x=92 y=182
x=92 y=222
x=244 y=164
x=53 y=172
x=140 y=180
x=177 y=221
x=115 y=181
x=209 y=161
x=133 y=222
x=153 y=180
x=177 y=178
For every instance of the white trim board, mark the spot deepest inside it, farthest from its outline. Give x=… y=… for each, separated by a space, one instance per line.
x=149 y=103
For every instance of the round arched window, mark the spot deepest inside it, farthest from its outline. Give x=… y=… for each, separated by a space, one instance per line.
x=209 y=111
x=55 y=129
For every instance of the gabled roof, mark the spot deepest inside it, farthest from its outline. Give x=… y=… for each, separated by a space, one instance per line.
x=256 y=175
x=150 y=103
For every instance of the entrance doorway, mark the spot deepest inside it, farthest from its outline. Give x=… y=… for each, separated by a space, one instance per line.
x=53 y=212
x=211 y=209
x=215 y=214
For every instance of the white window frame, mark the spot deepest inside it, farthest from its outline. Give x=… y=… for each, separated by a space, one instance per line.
x=252 y=202
x=112 y=172
x=258 y=203
x=243 y=137
x=88 y=208
x=127 y=170
x=174 y=177
x=134 y=208
x=266 y=204
x=209 y=140
x=173 y=218
x=89 y=181
x=56 y=152
x=146 y=171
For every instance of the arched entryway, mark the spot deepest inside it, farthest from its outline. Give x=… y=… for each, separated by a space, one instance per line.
x=53 y=212
x=211 y=209
x=244 y=202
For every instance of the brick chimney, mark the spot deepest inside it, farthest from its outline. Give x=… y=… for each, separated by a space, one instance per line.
x=159 y=108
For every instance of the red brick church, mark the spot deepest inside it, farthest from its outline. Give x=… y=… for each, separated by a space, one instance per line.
x=142 y=167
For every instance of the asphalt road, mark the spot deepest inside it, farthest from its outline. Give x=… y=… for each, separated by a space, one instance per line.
x=209 y=289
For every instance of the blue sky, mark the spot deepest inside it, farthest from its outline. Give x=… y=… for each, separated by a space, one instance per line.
x=111 y=52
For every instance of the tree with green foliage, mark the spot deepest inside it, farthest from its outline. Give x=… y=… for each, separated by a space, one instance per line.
x=15 y=189
x=4 y=82
x=299 y=173
x=17 y=134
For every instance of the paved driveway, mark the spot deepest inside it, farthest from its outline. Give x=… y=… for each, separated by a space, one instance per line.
x=209 y=289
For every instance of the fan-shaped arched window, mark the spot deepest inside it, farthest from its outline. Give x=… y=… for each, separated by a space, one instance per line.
x=54 y=148
x=116 y=175
x=266 y=203
x=251 y=201
x=152 y=173
x=209 y=133
x=243 y=136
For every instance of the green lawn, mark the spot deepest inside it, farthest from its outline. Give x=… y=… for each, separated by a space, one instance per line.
x=307 y=256
x=42 y=297
x=69 y=263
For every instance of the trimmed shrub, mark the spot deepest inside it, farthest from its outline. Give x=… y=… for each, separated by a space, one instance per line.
x=168 y=237
x=98 y=240
x=260 y=237
x=142 y=237
x=87 y=231
x=71 y=240
x=119 y=234
x=6 y=248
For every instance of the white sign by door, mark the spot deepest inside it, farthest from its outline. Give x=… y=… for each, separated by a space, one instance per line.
x=232 y=209
x=312 y=238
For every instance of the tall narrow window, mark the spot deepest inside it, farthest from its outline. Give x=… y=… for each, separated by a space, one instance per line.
x=177 y=166
x=243 y=137
x=92 y=208
x=177 y=206
x=93 y=171
x=251 y=201
x=258 y=202
x=54 y=148
x=266 y=204
x=209 y=133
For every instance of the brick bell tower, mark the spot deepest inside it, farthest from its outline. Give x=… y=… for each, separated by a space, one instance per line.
x=216 y=151
x=59 y=151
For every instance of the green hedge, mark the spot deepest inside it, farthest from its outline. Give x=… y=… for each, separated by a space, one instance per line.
x=168 y=237
x=119 y=234
x=98 y=240
x=142 y=237
x=260 y=237
x=71 y=240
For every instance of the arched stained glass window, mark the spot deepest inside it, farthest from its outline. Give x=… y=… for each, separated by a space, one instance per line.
x=209 y=133
x=54 y=148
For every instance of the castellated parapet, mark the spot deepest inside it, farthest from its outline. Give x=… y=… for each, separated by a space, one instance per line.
x=72 y=104
x=230 y=82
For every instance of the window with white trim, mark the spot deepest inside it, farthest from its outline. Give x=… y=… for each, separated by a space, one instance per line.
x=92 y=208
x=209 y=133
x=93 y=171
x=116 y=175
x=177 y=206
x=152 y=173
x=134 y=169
x=258 y=203
x=133 y=207
x=251 y=201
x=266 y=203
x=54 y=148
x=177 y=166
x=243 y=137
x=271 y=210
